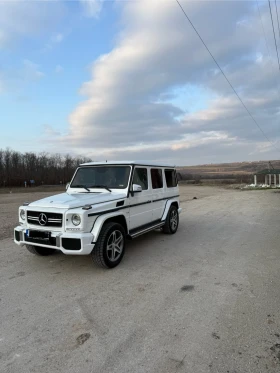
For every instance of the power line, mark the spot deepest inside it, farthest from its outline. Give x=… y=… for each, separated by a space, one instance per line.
x=268 y=51
x=274 y=33
x=277 y=18
x=245 y=107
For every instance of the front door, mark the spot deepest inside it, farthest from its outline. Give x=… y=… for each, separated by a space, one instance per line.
x=141 y=207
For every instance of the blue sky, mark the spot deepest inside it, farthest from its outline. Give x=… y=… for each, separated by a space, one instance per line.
x=130 y=79
x=43 y=75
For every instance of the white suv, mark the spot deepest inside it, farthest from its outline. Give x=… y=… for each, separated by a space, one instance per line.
x=104 y=204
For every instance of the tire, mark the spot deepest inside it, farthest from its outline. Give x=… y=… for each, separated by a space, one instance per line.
x=104 y=256
x=41 y=251
x=172 y=221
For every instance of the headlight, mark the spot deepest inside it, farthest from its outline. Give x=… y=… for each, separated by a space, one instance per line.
x=22 y=214
x=76 y=219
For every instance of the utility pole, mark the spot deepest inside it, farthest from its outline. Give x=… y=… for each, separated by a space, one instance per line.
x=270 y=166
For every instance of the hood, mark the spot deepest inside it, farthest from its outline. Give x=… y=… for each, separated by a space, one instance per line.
x=71 y=201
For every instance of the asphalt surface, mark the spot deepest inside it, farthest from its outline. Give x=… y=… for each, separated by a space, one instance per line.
x=204 y=300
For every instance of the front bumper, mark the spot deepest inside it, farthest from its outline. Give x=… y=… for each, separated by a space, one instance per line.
x=68 y=243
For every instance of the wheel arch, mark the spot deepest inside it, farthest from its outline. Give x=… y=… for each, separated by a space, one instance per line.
x=120 y=219
x=170 y=202
x=101 y=220
x=175 y=203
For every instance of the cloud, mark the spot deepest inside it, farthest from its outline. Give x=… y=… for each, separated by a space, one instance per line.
x=31 y=71
x=131 y=99
x=49 y=131
x=26 y=19
x=59 y=69
x=91 y=8
x=15 y=79
x=55 y=39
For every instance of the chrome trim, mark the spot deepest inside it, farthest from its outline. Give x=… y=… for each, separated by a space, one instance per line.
x=147 y=229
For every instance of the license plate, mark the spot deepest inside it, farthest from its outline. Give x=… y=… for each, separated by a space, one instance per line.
x=38 y=234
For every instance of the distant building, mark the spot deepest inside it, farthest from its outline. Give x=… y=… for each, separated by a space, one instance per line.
x=270 y=177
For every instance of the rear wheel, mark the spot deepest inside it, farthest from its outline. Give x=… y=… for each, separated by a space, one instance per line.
x=110 y=246
x=172 y=221
x=38 y=250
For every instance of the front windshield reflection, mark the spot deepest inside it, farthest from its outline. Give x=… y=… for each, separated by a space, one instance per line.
x=115 y=177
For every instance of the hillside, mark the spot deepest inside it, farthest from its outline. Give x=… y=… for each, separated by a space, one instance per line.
x=235 y=172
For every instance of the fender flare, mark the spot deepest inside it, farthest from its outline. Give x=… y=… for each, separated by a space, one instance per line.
x=99 y=222
x=169 y=202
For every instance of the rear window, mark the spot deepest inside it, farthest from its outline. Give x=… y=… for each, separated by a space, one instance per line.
x=156 y=175
x=171 y=179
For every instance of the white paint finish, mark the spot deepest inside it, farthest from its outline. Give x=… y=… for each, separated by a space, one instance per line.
x=139 y=163
x=102 y=218
x=86 y=242
x=73 y=199
x=141 y=214
x=167 y=207
x=255 y=180
x=140 y=209
x=158 y=206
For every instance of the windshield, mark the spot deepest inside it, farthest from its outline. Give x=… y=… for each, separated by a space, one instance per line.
x=115 y=177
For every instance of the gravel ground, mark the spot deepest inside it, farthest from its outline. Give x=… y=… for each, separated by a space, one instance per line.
x=204 y=300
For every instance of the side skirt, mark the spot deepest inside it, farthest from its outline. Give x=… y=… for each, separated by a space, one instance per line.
x=145 y=228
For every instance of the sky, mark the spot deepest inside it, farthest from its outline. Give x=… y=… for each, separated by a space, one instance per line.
x=132 y=80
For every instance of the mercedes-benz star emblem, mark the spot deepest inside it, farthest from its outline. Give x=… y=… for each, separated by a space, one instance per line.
x=43 y=219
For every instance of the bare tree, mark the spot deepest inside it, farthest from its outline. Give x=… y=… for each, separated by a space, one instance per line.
x=17 y=168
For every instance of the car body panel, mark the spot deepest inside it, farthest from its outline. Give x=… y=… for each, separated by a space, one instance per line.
x=142 y=211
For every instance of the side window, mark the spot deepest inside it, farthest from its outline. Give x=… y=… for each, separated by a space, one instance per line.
x=140 y=177
x=156 y=174
x=171 y=179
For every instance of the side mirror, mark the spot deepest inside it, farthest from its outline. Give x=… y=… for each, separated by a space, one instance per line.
x=67 y=185
x=136 y=188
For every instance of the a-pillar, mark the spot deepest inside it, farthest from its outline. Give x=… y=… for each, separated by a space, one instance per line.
x=279 y=179
x=269 y=179
x=265 y=180
x=255 y=180
x=274 y=180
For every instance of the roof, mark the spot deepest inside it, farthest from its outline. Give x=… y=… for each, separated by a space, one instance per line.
x=138 y=163
x=267 y=171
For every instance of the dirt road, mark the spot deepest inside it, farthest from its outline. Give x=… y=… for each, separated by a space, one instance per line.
x=204 y=300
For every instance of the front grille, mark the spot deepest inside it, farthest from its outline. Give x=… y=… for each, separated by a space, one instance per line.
x=44 y=219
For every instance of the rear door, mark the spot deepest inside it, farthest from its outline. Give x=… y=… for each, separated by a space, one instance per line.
x=158 y=193
x=141 y=209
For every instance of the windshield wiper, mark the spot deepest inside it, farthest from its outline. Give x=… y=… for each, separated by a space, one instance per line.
x=101 y=186
x=80 y=186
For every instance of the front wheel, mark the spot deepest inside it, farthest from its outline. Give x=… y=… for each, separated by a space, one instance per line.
x=172 y=221
x=110 y=246
x=38 y=250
